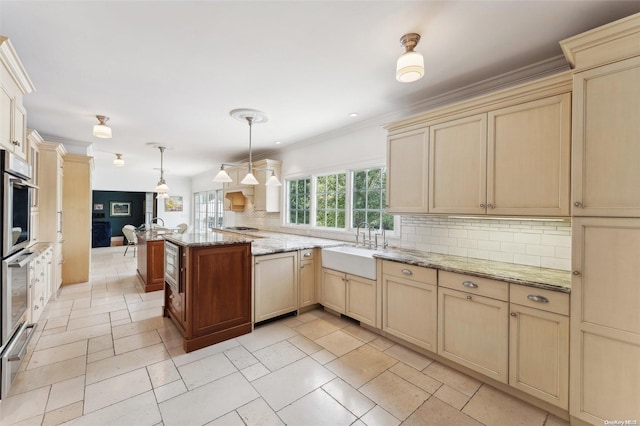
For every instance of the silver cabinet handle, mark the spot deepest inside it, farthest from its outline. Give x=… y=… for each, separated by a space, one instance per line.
x=513 y=314
x=576 y=273
x=577 y=204
x=536 y=298
x=307 y=254
x=470 y=284
x=490 y=206
x=407 y=272
x=482 y=206
x=171 y=296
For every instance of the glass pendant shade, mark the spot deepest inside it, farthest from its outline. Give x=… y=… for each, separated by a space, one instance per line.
x=273 y=181
x=162 y=187
x=118 y=162
x=249 y=179
x=162 y=195
x=222 y=177
x=101 y=130
x=410 y=67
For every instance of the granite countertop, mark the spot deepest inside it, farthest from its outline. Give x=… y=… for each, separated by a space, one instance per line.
x=151 y=235
x=550 y=279
x=266 y=242
x=206 y=239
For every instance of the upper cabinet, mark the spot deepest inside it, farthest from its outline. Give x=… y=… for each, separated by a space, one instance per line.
x=14 y=84
x=507 y=153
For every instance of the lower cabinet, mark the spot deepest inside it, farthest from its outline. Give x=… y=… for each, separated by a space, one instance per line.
x=410 y=303
x=39 y=282
x=473 y=330
x=351 y=295
x=275 y=283
x=150 y=261
x=307 y=278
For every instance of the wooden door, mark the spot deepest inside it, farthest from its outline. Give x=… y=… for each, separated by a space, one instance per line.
x=528 y=158
x=361 y=299
x=606 y=140
x=457 y=166
x=307 y=282
x=275 y=285
x=605 y=319
x=6 y=119
x=334 y=291
x=407 y=161
x=20 y=131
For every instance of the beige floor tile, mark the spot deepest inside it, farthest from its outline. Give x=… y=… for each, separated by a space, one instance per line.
x=230 y=392
x=170 y=390
x=169 y=332
x=291 y=322
x=129 y=361
x=57 y=322
x=152 y=295
x=137 y=327
x=490 y=406
x=461 y=382
x=180 y=357
x=146 y=314
x=203 y=371
x=305 y=345
x=23 y=406
x=409 y=357
x=230 y=419
x=116 y=389
x=452 y=397
x=315 y=329
x=308 y=316
x=119 y=315
x=65 y=393
x=378 y=416
x=288 y=384
x=141 y=306
x=138 y=410
x=240 y=357
x=323 y=356
x=63 y=414
x=265 y=335
x=316 y=408
x=48 y=374
x=257 y=412
x=339 y=342
x=136 y=341
x=81 y=303
x=394 y=394
x=361 y=365
x=58 y=339
x=88 y=321
x=132 y=298
x=421 y=380
x=33 y=421
x=100 y=343
x=55 y=312
x=381 y=344
x=101 y=298
x=279 y=355
x=123 y=321
x=51 y=331
x=95 y=310
x=57 y=354
x=97 y=356
x=436 y=413
x=555 y=421
x=255 y=372
x=162 y=373
x=360 y=333
x=349 y=397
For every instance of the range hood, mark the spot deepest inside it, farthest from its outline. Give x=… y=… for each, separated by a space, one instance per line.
x=237 y=200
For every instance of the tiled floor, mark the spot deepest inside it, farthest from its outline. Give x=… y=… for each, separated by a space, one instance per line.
x=103 y=355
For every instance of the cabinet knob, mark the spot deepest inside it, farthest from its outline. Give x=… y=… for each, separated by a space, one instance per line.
x=576 y=273
x=16 y=143
x=577 y=204
x=482 y=206
x=36 y=307
x=469 y=298
x=513 y=314
x=301 y=266
x=407 y=272
x=307 y=254
x=171 y=296
x=489 y=206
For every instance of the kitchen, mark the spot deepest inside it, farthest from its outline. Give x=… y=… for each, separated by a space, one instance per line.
x=503 y=240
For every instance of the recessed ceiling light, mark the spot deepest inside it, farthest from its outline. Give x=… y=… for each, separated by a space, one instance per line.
x=277 y=142
x=353 y=114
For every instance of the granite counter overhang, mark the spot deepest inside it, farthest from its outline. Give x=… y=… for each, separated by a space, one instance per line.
x=206 y=239
x=549 y=279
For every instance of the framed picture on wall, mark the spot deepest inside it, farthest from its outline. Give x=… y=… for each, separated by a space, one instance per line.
x=120 y=208
x=173 y=204
x=98 y=206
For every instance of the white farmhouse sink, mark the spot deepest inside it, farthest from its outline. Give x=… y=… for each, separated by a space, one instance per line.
x=352 y=260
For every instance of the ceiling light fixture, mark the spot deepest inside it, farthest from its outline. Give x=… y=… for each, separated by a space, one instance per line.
x=118 y=161
x=251 y=116
x=101 y=130
x=162 y=187
x=410 y=65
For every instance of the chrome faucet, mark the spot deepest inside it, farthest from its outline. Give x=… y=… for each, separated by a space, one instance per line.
x=364 y=240
x=158 y=219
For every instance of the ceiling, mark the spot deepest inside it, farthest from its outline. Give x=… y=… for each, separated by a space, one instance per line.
x=169 y=72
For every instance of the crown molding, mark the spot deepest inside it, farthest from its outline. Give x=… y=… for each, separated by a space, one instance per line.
x=9 y=58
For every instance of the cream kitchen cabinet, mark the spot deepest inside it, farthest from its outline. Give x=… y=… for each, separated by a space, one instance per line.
x=275 y=285
x=267 y=198
x=606 y=140
x=410 y=303
x=473 y=323
x=39 y=282
x=539 y=343
x=34 y=160
x=354 y=296
x=14 y=84
x=407 y=177
x=307 y=278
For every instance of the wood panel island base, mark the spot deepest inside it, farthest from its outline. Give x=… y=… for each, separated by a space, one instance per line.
x=208 y=287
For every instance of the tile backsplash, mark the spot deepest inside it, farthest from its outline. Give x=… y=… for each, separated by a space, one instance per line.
x=527 y=242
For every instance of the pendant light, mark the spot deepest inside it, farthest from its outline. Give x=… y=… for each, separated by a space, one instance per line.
x=101 y=130
x=410 y=66
x=118 y=161
x=162 y=187
x=273 y=180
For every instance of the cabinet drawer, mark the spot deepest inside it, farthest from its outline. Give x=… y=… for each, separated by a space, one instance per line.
x=410 y=272
x=307 y=254
x=475 y=285
x=547 y=300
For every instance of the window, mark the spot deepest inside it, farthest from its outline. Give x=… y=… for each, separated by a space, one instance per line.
x=208 y=211
x=369 y=198
x=331 y=194
x=299 y=201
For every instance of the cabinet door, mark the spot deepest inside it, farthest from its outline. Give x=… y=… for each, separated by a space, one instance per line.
x=276 y=285
x=457 y=166
x=361 y=299
x=473 y=331
x=410 y=311
x=334 y=293
x=528 y=158
x=407 y=155
x=539 y=354
x=606 y=140
x=20 y=132
x=605 y=319
x=6 y=119
x=307 y=282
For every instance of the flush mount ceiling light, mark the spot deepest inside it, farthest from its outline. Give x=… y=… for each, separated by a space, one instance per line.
x=162 y=187
x=118 y=161
x=410 y=65
x=101 y=130
x=251 y=116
